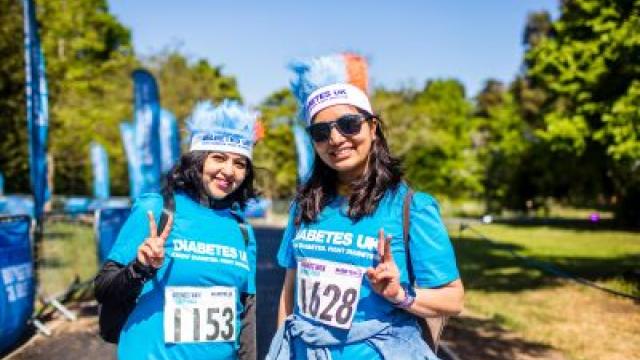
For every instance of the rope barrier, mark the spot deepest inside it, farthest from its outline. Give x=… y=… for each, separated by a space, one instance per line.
x=549 y=267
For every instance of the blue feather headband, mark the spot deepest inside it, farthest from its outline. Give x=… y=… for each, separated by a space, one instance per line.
x=229 y=127
x=312 y=74
x=319 y=72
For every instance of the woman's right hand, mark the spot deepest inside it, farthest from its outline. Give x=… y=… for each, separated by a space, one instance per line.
x=151 y=251
x=385 y=277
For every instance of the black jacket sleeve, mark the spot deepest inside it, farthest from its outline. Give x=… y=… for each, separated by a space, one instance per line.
x=119 y=283
x=248 y=349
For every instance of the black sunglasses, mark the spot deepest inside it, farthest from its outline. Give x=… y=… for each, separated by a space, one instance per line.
x=347 y=125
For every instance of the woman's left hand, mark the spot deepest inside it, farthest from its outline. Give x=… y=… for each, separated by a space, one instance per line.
x=385 y=277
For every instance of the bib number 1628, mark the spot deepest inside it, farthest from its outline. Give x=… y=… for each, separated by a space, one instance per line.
x=328 y=292
x=339 y=304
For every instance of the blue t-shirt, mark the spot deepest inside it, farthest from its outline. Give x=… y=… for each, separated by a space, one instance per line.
x=205 y=248
x=335 y=237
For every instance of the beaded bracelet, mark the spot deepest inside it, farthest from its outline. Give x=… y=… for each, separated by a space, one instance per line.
x=407 y=301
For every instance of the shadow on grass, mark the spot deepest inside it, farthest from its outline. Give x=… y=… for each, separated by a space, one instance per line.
x=492 y=267
x=58 y=236
x=474 y=338
x=48 y=263
x=568 y=223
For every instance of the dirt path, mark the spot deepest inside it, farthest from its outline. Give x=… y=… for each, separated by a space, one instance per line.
x=469 y=337
x=70 y=340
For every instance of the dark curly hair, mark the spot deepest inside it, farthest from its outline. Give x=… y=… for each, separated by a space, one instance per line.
x=383 y=172
x=186 y=177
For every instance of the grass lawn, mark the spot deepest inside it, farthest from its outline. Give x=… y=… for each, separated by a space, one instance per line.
x=583 y=322
x=68 y=251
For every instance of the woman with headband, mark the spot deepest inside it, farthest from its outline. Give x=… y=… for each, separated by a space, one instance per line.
x=190 y=281
x=349 y=291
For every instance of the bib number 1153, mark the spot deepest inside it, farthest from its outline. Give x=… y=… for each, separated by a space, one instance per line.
x=195 y=314
x=328 y=292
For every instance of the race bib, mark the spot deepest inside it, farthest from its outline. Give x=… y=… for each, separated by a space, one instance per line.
x=328 y=291
x=199 y=314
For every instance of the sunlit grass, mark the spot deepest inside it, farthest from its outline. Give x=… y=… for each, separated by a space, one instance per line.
x=582 y=322
x=68 y=251
x=554 y=210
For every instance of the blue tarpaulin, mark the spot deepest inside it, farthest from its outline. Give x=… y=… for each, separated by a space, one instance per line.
x=107 y=226
x=77 y=205
x=17 y=290
x=110 y=203
x=16 y=205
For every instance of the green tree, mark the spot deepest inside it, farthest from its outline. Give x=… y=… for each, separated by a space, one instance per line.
x=89 y=60
x=431 y=130
x=515 y=166
x=538 y=27
x=89 y=57
x=591 y=71
x=530 y=97
x=14 y=162
x=489 y=97
x=275 y=155
x=501 y=144
x=182 y=83
x=85 y=49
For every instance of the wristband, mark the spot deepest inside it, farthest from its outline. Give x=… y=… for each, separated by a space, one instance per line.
x=407 y=301
x=141 y=271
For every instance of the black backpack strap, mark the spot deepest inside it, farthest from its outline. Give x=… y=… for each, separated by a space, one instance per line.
x=406 y=207
x=431 y=328
x=248 y=346
x=245 y=233
x=242 y=225
x=169 y=208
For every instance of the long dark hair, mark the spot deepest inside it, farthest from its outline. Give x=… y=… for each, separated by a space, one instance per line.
x=383 y=172
x=186 y=177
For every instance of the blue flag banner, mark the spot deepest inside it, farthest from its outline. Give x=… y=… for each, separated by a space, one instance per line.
x=304 y=150
x=169 y=140
x=37 y=108
x=1 y=184
x=100 y=164
x=17 y=290
x=147 y=125
x=127 y=131
x=108 y=222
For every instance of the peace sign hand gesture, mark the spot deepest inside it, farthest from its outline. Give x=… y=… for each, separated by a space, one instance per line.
x=151 y=251
x=385 y=277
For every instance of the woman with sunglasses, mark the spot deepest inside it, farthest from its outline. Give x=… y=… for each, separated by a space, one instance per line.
x=192 y=283
x=346 y=293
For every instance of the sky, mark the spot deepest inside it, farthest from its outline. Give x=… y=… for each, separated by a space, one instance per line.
x=406 y=42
